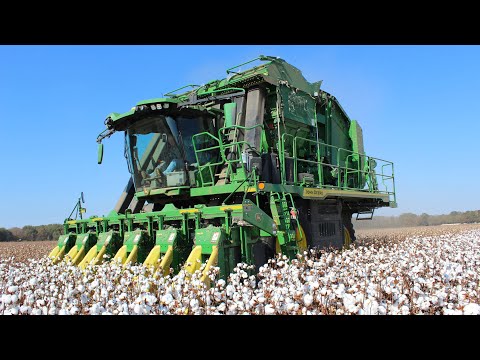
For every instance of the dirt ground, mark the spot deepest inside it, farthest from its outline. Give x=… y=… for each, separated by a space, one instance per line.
x=24 y=250
x=365 y=236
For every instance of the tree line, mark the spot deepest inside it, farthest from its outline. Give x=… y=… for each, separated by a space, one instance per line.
x=410 y=219
x=32 y=233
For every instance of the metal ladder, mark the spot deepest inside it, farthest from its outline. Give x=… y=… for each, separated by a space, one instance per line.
x=368 y=213
x=281 y=215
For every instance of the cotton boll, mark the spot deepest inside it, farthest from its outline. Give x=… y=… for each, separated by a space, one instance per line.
x=230 y=290
x=37 y=311
x=52 y=311
x=137 y=309
x=471 y=309
x=370 y=307
x=308 y=300
x=14 y=310
x=7 y=299
x=25 y=309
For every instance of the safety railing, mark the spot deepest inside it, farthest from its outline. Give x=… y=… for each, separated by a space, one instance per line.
x=349 y=170
x=236 y=147
x=231 y=151
x=207 y=164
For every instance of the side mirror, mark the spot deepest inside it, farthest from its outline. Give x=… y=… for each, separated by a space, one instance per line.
x=230 y=113
x=100 y=153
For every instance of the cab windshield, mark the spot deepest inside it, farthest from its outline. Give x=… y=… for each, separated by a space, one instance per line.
x=160 y=151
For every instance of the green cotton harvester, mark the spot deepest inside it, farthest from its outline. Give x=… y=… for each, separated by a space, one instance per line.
x=236 y=170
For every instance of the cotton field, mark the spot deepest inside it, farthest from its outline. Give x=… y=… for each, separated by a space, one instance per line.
x=431 y=270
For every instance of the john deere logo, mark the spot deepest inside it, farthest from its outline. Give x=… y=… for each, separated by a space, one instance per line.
x=313 y=193
x=258 y=217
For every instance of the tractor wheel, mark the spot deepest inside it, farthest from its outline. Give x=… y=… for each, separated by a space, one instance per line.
x=348 y=225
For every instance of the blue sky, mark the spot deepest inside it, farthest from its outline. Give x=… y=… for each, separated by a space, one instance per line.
x=418 y=106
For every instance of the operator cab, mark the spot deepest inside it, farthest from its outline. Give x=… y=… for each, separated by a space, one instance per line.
x=160 y=151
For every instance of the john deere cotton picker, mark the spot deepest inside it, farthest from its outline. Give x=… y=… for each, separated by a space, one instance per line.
x=236 y=170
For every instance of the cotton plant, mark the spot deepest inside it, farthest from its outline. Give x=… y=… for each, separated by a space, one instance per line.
x=423 y=273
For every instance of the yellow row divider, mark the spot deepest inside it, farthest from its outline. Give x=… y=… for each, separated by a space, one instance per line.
x=121 y=254
x=72 y=253
x=99 y=258
x=89 y=257
x=59 y=256
x=212 y=261
x=54 y=252
x=133 y=256
x=164 y=266
x=194 y=260
x=79 y=255
x=152 y=258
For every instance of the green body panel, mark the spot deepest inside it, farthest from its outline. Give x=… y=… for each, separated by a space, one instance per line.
x=67 y=241
x=257 y=217
x=175 y=238
x=299 y=106
x=166 y=238
x=356 y=134
x=208 y=237
x=357 y=159
x=88 y=240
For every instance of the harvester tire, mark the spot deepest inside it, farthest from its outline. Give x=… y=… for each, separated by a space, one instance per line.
x=347 y=222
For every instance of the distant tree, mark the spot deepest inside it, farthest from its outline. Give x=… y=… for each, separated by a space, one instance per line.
x=424 y=220
x=40 y=232
x=470 y=217
x=17 y=232
x=6 y=235
x=30 y=232
x=408 y=219
x=50 y=232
